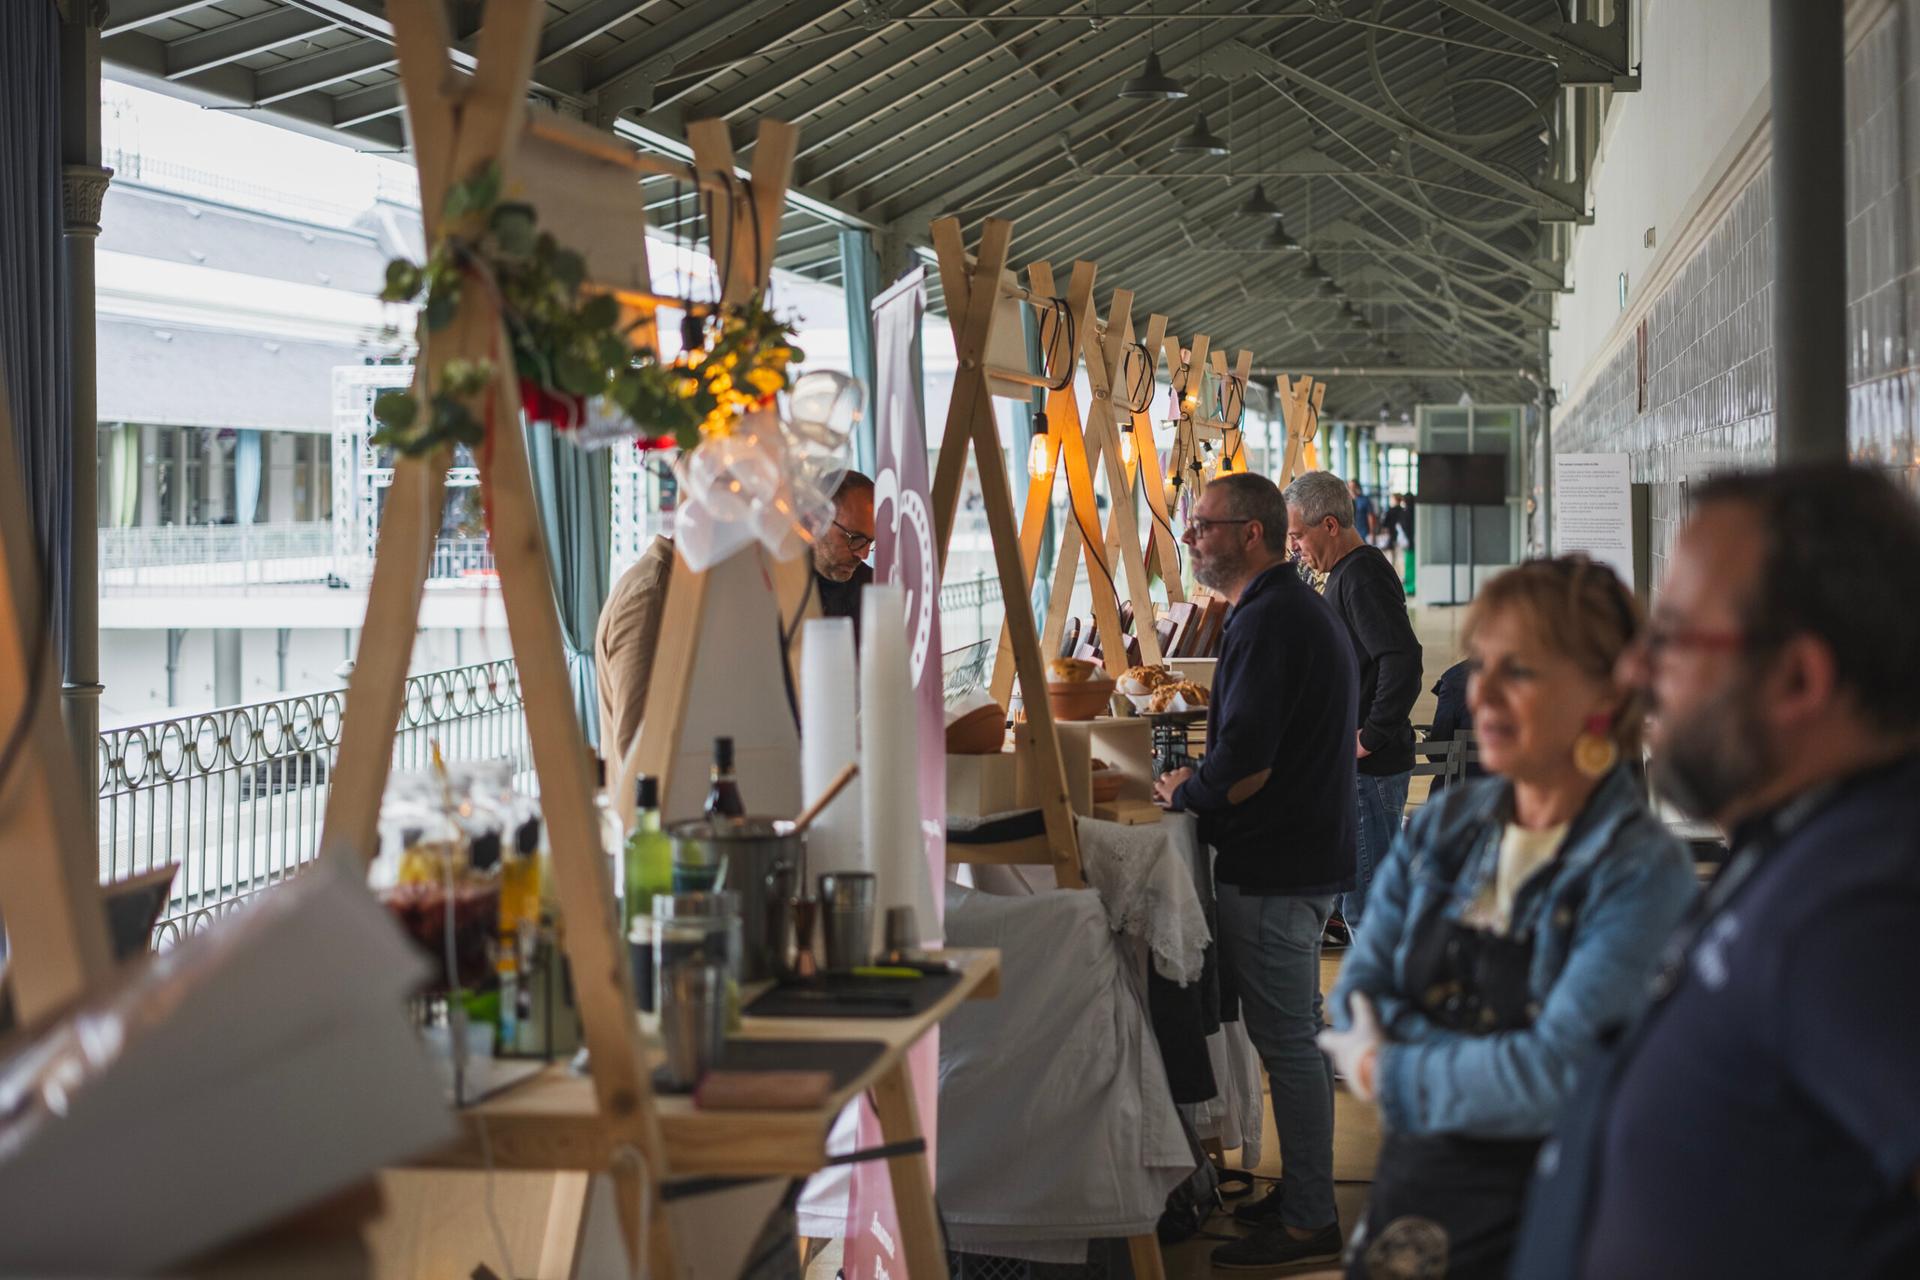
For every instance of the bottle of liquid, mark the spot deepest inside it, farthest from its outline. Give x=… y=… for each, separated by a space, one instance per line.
x=723 y=795
x=613 y=837
x=520 y=888
x=649 y=853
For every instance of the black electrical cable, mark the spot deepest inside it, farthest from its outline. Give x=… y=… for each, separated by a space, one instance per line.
x=1233 y=393
x=1062 y=324
x=1139 y=389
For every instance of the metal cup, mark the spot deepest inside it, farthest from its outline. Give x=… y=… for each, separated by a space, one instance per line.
x=846 y=910
x=777 y=919
x=693 y=1019
x=903 y=931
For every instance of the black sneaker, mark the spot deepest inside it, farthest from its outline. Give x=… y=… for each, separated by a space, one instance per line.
x=1271 y=1249
x=1266 y=1209
x=1337 y=936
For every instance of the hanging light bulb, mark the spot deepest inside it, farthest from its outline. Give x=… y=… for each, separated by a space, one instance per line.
x=1126 y=445
x=1199 y=140
x=1040 y=457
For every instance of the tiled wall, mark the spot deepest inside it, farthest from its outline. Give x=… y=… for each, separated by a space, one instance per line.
x=1709 y=394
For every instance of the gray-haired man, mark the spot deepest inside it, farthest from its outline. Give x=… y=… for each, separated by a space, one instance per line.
x=1365 y=591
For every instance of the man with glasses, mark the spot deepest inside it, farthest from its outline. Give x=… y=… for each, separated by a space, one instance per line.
x=1365 y=591
x=1274 y=795
x=629 y=627
x=1763 y=1117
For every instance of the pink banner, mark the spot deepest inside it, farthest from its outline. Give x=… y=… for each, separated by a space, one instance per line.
x=904 y=553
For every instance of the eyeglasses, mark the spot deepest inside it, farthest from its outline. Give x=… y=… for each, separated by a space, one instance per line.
x=1660 y=637
x=856 y=542
x=1197 y=527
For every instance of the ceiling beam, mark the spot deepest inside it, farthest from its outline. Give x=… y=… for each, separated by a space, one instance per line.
x=217 y=46
x=129 y=15
x=319 y=70
x=1583 y=52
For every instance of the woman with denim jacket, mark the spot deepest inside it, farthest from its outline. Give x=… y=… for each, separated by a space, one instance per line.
x=1514 y=925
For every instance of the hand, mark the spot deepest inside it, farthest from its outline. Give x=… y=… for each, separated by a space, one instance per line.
x=1355 y=1052
x=1360 y=751
x=1166 y=784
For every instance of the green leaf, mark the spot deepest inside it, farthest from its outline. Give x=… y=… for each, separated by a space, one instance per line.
x=440 y=308
x=403 y=281
x=569 y=268
x=513 y=230
x=602 y=311
x=577 y=376
x=396 y=409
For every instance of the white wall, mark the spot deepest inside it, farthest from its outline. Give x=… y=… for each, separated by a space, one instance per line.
x=1704 y=77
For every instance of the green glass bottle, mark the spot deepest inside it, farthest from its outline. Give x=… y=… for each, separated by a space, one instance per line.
x=649 y=853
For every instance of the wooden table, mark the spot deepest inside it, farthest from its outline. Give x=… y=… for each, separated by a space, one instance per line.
x=550 y=1122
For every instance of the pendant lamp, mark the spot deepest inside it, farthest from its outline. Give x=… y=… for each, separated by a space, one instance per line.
x=1153 y=84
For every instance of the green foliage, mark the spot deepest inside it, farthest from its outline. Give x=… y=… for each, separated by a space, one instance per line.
x=569 y=343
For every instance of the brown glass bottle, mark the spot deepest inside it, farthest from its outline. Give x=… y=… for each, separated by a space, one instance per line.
x=723 y=793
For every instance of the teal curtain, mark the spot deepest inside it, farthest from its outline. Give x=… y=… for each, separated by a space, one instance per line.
x=123 y=476
x=246 y=476
x=860 y=278
x=574 y=490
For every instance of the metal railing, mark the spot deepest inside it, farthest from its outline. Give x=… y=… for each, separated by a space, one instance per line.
x=969 y=602
x=455 y=558
x=234 y=797
x=210 y=557
x=199 y=556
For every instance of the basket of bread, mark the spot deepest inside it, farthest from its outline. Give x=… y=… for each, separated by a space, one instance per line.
x=1176 y=696
x=1141 y=683
x=1077 y=689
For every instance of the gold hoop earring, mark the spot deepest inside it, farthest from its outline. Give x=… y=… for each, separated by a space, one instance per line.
x=1594 y=751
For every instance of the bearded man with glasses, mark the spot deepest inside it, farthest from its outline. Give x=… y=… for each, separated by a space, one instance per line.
x=1763 y=1116
x=1274 y=795
x=629 y=629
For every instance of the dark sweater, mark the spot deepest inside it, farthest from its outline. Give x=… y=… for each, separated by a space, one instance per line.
x=842 y=599
x=1284 y=700
x=1369 y=597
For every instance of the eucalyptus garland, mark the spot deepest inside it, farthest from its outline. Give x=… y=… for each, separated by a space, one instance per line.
x=570 y=343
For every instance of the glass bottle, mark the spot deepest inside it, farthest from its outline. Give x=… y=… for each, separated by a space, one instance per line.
x=723 y=793
x=649 y=853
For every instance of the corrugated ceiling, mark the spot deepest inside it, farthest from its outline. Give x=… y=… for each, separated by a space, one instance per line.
x=1410 y=143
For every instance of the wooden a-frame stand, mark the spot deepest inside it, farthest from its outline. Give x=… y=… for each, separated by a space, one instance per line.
x=973 y=289
x=458 y=129
x=1299 y=400
x=1074 y=451
x=1161 y=554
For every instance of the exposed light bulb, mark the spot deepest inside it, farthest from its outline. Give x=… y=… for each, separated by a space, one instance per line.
x=1126 y=447
x=1040 y=458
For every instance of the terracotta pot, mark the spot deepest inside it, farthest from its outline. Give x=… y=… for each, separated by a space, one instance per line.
x=981 y=732
x=1079 y=699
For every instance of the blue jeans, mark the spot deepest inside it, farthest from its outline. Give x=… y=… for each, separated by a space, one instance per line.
x=1271 y=944
x=1381 y=803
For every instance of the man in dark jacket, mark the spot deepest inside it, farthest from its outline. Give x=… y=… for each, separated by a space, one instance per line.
x=1271 y=794
x=1366 y=593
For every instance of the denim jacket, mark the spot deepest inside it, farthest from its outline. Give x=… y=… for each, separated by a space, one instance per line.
x=1599 y=913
